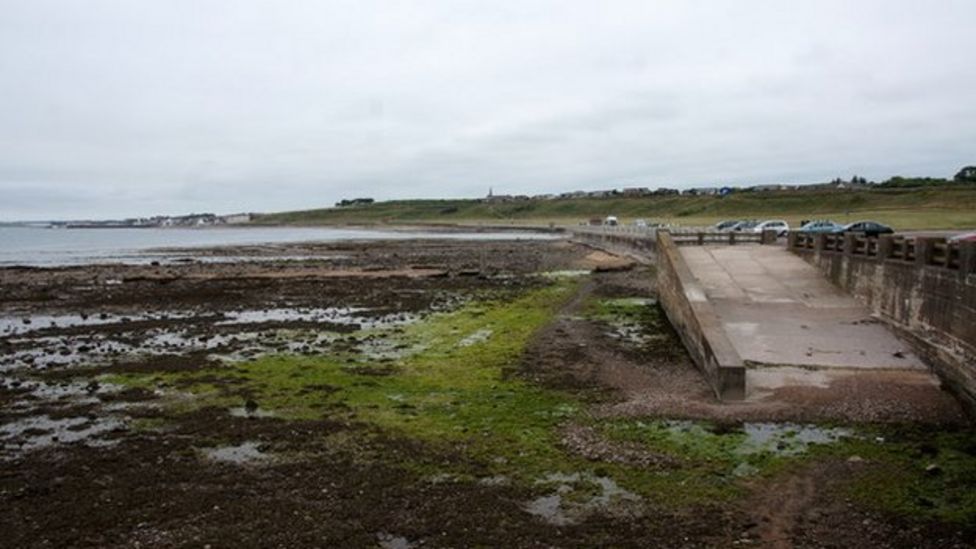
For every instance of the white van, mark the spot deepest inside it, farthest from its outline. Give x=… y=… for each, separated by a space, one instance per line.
x=611 y=221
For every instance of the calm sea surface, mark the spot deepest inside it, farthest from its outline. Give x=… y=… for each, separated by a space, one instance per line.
x=52 y=247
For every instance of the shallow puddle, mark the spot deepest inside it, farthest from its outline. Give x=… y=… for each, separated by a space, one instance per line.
x=241 y=411
x=781 y=439
x=578 y=495
x=788 y=439
x=35 y=392
x=348 y=316
x=17 y=325
x=36 y=432
x=241 y=454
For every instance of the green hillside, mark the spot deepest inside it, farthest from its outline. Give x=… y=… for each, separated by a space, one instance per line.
x=936 y=207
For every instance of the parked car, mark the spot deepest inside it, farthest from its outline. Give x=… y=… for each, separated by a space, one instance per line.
x=964 y=237
x=821 y=226
x=611 y=221
x=781 y=227
x=640 y=223
x=745 y=226
x=868 y=228
x=727 y=225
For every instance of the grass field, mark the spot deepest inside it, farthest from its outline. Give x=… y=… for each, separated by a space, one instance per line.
x=945 y=207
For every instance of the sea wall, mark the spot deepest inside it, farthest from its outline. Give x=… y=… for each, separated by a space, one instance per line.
x=638 y=243
x=925 y=288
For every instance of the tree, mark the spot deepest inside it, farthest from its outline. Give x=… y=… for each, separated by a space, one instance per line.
x=966 y=175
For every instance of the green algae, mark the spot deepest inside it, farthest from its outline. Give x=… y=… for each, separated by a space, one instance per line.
x=448 y=386
x=637 y=321
x=449 y=389
x=921 y=473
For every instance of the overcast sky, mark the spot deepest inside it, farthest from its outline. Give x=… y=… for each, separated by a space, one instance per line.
x=136 y=107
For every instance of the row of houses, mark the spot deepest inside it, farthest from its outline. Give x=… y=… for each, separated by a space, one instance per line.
x=191 y=220
x=628 y=192
x=637 y=192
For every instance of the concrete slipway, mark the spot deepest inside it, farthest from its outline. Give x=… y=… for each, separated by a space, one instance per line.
x=791 y=326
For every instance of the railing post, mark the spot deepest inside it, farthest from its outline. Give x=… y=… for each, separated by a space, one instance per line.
x=701 y=239
x=923 y=251
x=819 y=242
x=967 y=257
x=768 y=237
x=791 y=240
x=886 y=244
x=850 y=242
x=731 y=238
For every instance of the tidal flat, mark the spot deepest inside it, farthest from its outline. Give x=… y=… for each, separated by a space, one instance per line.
x=425 y=393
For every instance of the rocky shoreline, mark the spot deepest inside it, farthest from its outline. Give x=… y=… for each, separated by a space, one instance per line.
x=430 y=392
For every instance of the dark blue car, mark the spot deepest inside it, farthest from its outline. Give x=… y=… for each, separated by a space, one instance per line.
x=868 y=228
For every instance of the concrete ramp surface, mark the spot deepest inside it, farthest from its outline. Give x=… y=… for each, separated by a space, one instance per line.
x=792 y=326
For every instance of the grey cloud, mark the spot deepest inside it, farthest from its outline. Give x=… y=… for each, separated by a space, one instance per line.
x=135 y=108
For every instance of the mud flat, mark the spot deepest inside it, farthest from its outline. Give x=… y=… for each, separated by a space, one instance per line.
x=429 y=393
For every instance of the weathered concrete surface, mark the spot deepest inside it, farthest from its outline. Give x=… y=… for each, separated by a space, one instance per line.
x=791 y=326
x=778 y=310
x=687 y=307
x=932 y=307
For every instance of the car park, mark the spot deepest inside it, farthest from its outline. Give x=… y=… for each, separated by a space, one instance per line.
x=868 y=228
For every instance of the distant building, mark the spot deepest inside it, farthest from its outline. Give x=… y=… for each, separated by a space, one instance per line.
x=766 y=188
x=703 y=191
x=236 y=219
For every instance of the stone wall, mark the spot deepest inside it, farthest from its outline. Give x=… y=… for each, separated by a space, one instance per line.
x=925 y=288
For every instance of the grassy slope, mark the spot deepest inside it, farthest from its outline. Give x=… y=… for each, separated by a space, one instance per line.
x=933 y=208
